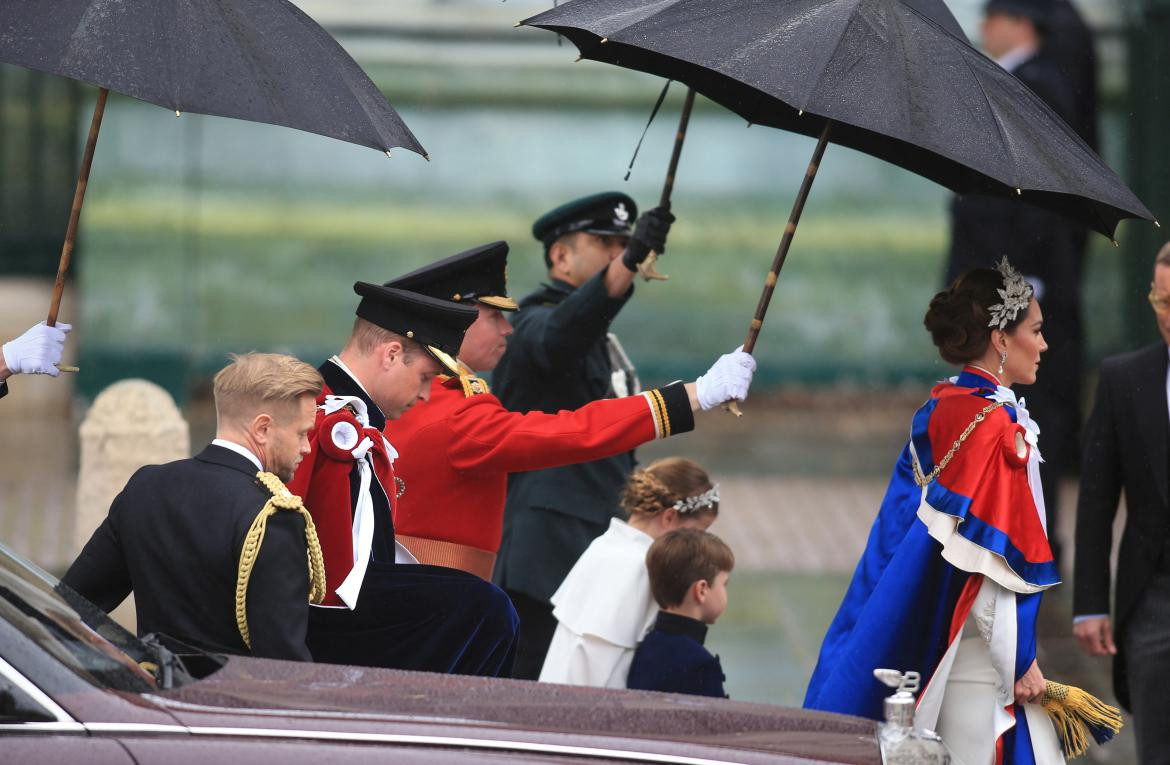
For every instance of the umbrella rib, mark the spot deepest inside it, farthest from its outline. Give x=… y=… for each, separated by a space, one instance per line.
x=832 y=52
x=995 y=117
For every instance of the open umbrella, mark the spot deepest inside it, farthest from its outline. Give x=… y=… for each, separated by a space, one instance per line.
x=896 y=79
x=257 y=60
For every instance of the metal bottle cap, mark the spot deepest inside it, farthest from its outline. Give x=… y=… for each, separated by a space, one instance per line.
x=899 y=709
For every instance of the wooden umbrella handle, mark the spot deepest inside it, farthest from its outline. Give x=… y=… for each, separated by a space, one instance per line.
x=95 y=125
x=782 y=252
x=647 y=268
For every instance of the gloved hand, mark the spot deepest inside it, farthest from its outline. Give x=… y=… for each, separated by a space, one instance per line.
x=728 y=378
x=37 y=351
x=649 y=234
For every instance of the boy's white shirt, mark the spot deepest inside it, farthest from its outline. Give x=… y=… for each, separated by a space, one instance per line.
x=603 y=608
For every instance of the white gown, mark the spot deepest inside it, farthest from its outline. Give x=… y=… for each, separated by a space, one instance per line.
x=603 y=609
x=967 y=700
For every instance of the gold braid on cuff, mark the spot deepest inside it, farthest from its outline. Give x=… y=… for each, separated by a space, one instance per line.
x=282 y=499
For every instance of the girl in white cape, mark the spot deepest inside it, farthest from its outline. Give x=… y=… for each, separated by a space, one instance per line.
x=604 y=606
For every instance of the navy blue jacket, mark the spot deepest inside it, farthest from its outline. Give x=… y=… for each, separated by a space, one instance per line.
x=671 y=658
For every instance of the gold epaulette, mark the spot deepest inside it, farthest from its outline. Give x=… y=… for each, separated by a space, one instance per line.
x=281 y=499
x=473 y=385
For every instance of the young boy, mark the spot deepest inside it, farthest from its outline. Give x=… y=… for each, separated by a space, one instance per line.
x=688 y=571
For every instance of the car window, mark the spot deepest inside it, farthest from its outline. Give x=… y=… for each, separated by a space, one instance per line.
x=34 y=603
x=16 y=705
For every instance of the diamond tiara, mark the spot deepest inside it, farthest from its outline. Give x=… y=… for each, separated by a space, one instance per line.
x=1014 y=297
x=698 y=502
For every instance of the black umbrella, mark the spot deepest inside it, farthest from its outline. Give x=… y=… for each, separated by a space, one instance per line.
x=896 y=79
x=257 y=60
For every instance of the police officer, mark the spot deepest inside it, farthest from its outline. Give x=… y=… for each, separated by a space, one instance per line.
x=457 y=448
x=562 y=356
x=36 y=352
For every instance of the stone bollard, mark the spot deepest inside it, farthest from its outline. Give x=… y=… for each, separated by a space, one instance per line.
x=131 y=423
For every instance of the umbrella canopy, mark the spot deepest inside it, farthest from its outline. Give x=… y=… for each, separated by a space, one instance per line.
x=258 y=60
x=897 y=79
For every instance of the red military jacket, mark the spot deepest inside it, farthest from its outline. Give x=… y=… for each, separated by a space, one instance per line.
x=456 y=450
x=328 y=476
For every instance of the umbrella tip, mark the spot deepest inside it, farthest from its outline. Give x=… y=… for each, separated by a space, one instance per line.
x=1019 y=192
x=577 y=59
x=388 y=154
x=427 y=157
x=1157 y=224
x=1115 y=243
x=518 y=23
x=178 y=113
x=800 y=113
x=749 y=124
x=604 y=40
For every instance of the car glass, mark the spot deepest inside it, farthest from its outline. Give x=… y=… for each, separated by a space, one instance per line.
x=107 y=656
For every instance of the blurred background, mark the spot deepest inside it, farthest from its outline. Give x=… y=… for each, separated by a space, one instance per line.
x=202 y=236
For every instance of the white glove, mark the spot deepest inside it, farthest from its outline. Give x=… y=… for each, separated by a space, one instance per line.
x=728 y=378
x=37 y=351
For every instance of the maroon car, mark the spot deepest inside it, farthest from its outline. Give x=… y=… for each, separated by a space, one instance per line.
x=76 y=687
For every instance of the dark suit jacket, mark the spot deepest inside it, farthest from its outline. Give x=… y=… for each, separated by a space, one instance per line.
x=1037 y=242
x=173 y=536
x=1126 y=448
x=557 y=360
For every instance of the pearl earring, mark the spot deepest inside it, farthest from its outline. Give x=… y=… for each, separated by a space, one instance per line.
x=1002 y=361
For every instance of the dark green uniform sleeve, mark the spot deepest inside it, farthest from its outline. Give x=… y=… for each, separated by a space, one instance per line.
x=559 y=335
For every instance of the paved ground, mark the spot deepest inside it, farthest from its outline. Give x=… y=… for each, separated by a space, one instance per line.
x=801 y=478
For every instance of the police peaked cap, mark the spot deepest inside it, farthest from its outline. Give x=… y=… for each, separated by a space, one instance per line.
x=610 y=213
x=475 y=275
x=436 y=325
x=1038 y=11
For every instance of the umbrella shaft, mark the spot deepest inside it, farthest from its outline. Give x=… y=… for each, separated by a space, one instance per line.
x=95 y=125
x=789 y=231
x=683 y=120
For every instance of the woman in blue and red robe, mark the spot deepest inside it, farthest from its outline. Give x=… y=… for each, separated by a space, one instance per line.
x=950 y=581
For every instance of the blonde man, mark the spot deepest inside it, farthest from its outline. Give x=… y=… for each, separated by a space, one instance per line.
x=176 y=532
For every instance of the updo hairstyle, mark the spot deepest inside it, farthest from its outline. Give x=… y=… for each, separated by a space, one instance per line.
x=663 y=483
x=958 y=318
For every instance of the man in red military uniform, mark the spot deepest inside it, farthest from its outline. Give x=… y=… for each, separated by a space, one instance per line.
x=458 y=448
x=382 y=608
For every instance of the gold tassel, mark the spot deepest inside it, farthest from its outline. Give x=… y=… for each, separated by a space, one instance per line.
x=1079 y=715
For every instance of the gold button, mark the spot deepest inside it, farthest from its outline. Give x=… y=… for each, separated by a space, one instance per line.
x=457 y=297
x=410 y=333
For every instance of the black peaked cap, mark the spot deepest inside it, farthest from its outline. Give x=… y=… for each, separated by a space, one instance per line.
x=608 y=213
x=437 y=325
x=476 y=275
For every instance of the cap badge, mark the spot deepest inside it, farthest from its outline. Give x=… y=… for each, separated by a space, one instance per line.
x=621 y=212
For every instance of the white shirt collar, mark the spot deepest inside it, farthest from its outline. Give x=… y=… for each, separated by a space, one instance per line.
x=243 y=451
x=337 y=360
x=1016 y=56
